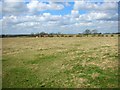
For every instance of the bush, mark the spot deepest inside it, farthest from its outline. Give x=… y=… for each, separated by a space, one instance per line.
x=58 y=36
x=41 y=35
x=112 y=35
x=50 y=35
x=87 y=35
x=106 y=35
x=70 y=35
x=62 y=35
x=78 y=35
x=99 y=35
x=93 y=35
x=102 y=35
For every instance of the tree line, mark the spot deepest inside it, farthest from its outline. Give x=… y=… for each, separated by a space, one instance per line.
x=86 y=33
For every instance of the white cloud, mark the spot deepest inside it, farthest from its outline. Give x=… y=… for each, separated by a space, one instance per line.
x=99 y=16
x=75 y=13
x=54 y=6
x=0 y=8
x=67 y=4
x=83 y=24
x=13 y=0
x=24 y=21
x=35 y=6
x=57 y=23
x=82 y=5
x=14 y=8
x=111 y=0
x=17 y=7
x=97 y=11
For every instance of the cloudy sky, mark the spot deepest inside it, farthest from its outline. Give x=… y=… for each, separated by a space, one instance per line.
x=33 y=16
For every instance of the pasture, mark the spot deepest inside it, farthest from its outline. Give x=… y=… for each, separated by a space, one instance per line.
x=60 y=62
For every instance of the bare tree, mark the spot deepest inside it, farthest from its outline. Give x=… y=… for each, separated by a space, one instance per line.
x=94 y=31
x=87 y=31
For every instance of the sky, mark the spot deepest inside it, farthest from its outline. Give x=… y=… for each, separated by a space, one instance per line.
x=75 y=16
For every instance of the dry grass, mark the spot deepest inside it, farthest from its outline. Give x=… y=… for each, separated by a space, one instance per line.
x=60 y=62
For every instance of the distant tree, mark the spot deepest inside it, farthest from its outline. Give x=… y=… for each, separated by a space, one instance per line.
x=43 y=33
x=51 y=35
x=58 y=33
x=79 y=33
x=87 y=31
x=32 y=35
x=94 y=31
x=37 y=34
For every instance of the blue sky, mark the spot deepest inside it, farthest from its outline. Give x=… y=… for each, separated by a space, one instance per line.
x=35 y=16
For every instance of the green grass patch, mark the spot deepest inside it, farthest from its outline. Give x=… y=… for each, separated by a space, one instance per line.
x=60 y=62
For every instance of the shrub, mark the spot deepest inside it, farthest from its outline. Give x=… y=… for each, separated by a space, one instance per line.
x=99 y=35
x=93 y=35
x=50 y=35
x=102 y=35
x=58 y=36
x=112 y=35
x=78 y=35
x=62 y=35
x=41 y=35
x=87 y=35
x=70 y=35
x=106 y=35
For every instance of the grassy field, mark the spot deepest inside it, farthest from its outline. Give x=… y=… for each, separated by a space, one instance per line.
x=74 y=62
